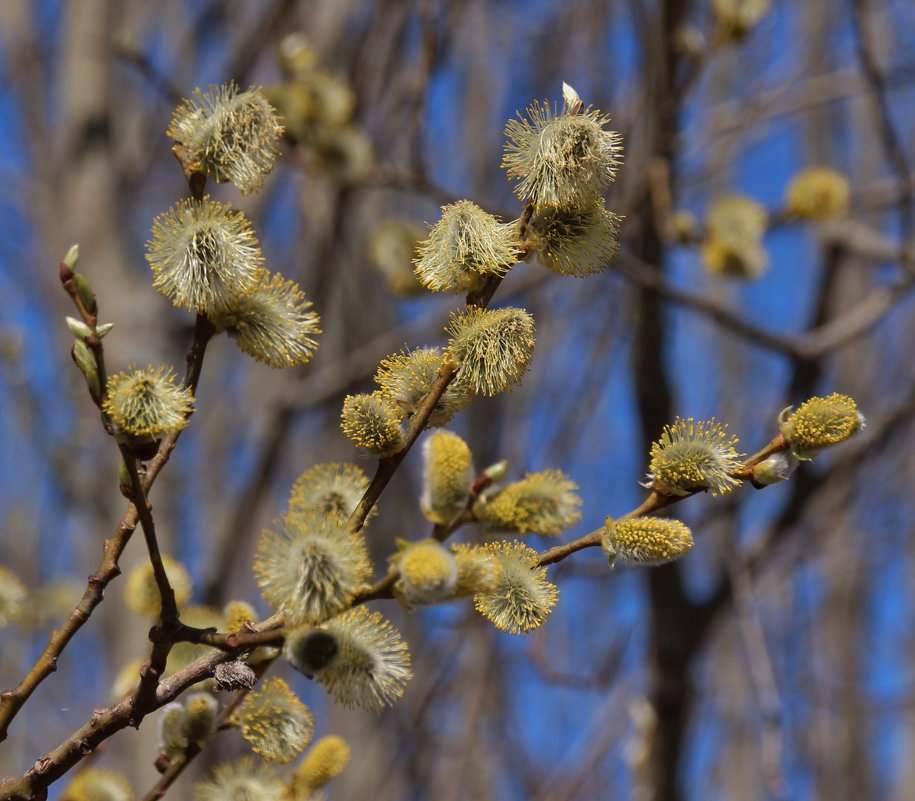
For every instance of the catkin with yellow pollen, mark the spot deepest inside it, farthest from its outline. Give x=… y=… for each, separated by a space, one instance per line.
x=276 y=724
x=819 y=423
x=565 y=159
x=464 y=247
x=645 y=540
x=428 y=572
x=228 y=134
x=406 y=378
x=447 y=476
x=493 y=347
x=372 y=422
x=691 y=456
x=324 y=761
x=541 y=503
x=817 y=193
x=147 y=403
x=141 y=592
x=522 y=598
x=12 y=595
x=477 y=570
x=274 y=323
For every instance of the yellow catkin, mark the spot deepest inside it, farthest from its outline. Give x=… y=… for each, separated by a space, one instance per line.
x=324 y=761
x=329 y=489
x=147 y=402
x=276 y=724
x=522 y=598
x=817 y=193
x=463 y=247
x=492 y=346
x=477 y=570
x=98 y=784
x=646 y=540
x=541 y=503
x=372 y=422
x=237 y=613
x=406 y=378
x=447 y=475
x=565 y=159
x=274 y=323
x=819 y=423
x=12 y=595
x=229 y=134
x=691 y=455
x=372 y=666
x=428 y=572
x=734 y=230
x=199 y=721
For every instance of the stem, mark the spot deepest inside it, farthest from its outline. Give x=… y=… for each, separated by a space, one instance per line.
x=160 y=634
x=11 y=701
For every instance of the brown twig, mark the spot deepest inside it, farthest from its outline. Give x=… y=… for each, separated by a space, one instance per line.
x=388 y=465
x=160 y=635
x=11 y=701
x=654 y=503
x=177 y=766
x=101 y=725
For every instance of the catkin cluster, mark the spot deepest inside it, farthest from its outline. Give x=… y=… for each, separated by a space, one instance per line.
x=205 y=256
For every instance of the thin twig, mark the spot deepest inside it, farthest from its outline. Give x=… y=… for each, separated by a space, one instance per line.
x=101 y=725
x=177 y=765
x=388 y=465
x=11 y=701
x=654 y=503
x=154 y=667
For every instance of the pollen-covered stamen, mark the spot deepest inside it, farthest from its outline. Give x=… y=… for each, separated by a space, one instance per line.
x=541 y=503
x=276 y=724
x=428 y=572
x=447 y=476
x=245 y=778
x=522 y=598
x=564 y=159
x=324 y=761
x=147 y=402
x=575 y=241
x=228 y=134
x=311 y=567
x=373 y=422
x=819 y=423
x=463 y=247
x=329 y=489
x=817 y=193
x=204 y=255
x=492 y=346
x=406 y=378
x=645 y=540
x=690 y=456
x=274 y=324
x=372 y=666
x=734 y=231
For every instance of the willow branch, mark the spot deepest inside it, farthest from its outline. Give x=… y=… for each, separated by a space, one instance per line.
x=177 y=765
x=388 y=465
x=101 y=725
x=162 y=642
x=11 y=701
x=654 y=503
